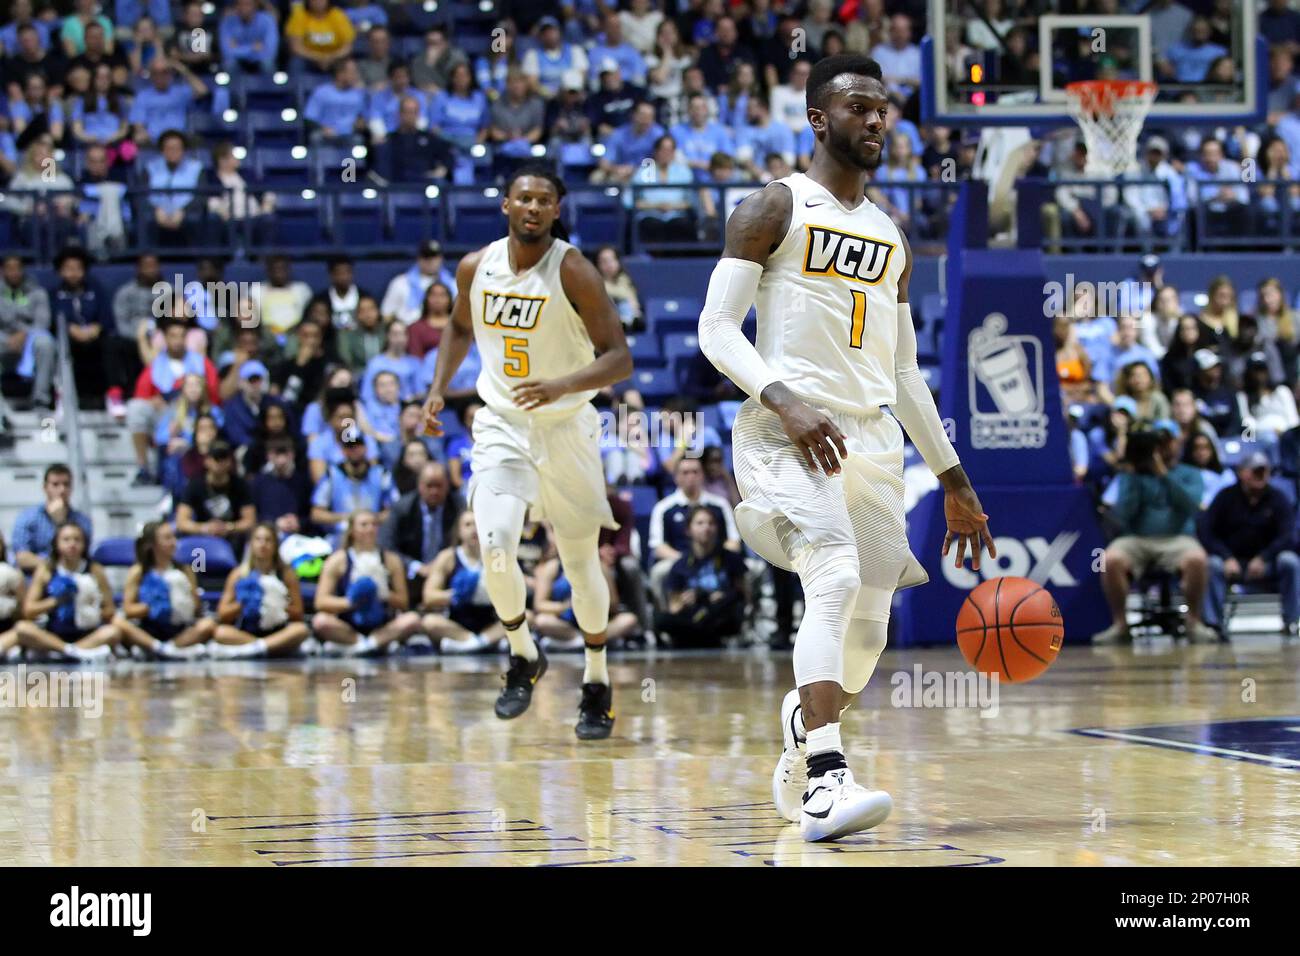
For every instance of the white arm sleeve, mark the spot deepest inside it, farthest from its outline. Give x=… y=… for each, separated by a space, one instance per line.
x=915 y=405
x=732 y=288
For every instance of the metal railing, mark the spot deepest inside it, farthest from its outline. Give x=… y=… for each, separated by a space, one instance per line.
x=365 y=217
x=70 y=404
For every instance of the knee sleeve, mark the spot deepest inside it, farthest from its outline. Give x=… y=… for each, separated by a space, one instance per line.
x=580 y=558
x=864 y=640
x=499 y=528
x=831 y=581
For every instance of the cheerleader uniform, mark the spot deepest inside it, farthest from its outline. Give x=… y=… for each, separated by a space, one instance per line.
x=263 y=604
x=365 y=583
x=471 y=607
x=80 y=609
x=170 y=599
x=10 y=580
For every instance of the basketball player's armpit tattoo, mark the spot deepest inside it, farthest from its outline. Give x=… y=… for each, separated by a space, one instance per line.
x=757 y=225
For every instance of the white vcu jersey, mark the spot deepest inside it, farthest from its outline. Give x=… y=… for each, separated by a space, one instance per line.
x=526 y=329
x=828 y=301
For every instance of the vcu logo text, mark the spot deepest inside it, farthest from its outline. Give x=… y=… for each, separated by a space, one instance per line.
x=512 y=311
x=860 y=258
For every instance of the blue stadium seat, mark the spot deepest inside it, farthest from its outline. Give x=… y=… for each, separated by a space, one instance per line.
x=680 y=345
x=277 y=166
x=299 y=221
x=263 y=93
x=270 y=129
x=645 y=350
x=597 y=219
x=654 y=384
x=218 y=558
x=210 y=128
x=327 y=162
x=475 y=219
x=414 y=218
x=359 y=219
x=672 y=315
x=114 y=552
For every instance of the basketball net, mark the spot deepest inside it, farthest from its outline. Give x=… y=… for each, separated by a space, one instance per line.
x=1111 y=113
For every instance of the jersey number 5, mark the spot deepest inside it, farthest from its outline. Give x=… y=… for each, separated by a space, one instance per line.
x=516 y=363
x=859 y=323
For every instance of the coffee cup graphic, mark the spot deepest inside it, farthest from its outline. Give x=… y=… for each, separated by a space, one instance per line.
x=1001 y=364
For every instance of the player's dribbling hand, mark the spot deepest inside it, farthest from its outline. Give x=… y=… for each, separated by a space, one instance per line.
x=432 y=406
x=816 y=436
x=968 y=525
x=532 y=395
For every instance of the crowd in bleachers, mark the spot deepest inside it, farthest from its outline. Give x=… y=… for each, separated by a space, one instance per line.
x=1183 y=417
x=300 y=423
x=218 y=116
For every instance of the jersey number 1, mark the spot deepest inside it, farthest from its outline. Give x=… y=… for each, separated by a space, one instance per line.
x=859 y=322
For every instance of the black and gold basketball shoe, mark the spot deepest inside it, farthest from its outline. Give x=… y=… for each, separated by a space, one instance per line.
x=595 y=712
x=520 y=678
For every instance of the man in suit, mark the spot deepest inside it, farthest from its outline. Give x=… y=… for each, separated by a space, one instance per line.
x=422 y=522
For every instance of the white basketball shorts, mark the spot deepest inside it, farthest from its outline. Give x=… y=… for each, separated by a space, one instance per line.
x=788 y=508
x=551 y=463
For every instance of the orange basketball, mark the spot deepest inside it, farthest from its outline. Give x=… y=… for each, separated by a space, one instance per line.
x=1010 y=627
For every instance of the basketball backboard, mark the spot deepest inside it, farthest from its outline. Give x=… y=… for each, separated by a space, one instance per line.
x=979 y=69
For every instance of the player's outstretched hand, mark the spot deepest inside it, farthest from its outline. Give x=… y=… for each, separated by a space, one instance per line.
x=968 y=525
x=816 y=436
x=433 y=405
x=531 y=395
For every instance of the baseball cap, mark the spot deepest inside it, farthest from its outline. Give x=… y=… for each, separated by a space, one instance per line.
x=1257 y=360
x=547 y=21
x=351 y=436
x=1149 y=262
x=1256 y=459
x=221 y=450
x=1125 y=403
x=253 y=369
x=1167 y=425
x=1158 y=142
x=572 y=80
x=1205 y=359
x=429 y=249
x=608 y=65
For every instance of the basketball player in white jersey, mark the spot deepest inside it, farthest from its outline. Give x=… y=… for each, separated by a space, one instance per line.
x=818 y=462
x=549 y=338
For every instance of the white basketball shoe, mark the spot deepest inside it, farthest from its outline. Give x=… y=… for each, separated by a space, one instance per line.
x=790 y=778
x=836 y=806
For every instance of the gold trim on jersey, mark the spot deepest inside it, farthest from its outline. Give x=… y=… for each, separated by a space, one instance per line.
x=845 y=255
x=499 y=311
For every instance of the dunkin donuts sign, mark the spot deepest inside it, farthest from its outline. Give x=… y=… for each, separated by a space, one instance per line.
x=1005 y=374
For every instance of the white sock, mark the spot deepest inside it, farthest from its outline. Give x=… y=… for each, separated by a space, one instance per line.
x=462 y=645
x=256 y=649
x=521 y=642
x=595 y=672
x=825 y=739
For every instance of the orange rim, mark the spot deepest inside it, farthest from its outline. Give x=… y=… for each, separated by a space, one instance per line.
x=1100 y=96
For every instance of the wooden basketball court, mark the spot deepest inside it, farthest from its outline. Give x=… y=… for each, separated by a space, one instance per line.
x=1159 y=755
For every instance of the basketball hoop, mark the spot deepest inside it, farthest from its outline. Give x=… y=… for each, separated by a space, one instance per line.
x=1111 y=113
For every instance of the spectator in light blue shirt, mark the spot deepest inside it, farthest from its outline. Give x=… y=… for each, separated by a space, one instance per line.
x=699 y=138
x=460 y=112
x=37 y=104
x=664 y=205
x=386 y=103
x=630 y=145
x=760 y=137
x=1189 y=61
x=164 y=104
x=250 y=39
x=612 y=46
x=100 y=115
x=1225 y=204
x=463 y=384
x=338 y=109
x=900 y=58
x=22 y=16
x=172 y=169
x=129 y=12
